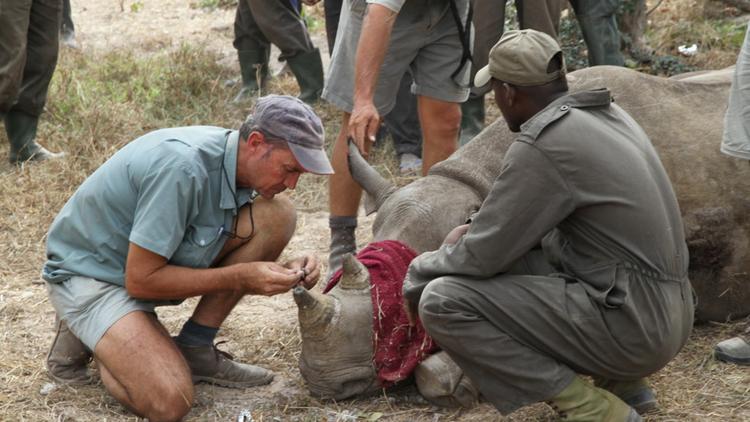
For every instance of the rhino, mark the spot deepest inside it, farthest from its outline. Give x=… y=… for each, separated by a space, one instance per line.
x=683 y=117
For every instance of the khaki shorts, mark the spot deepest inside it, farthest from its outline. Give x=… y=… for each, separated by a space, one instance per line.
x=90 y=307
x=424 y=38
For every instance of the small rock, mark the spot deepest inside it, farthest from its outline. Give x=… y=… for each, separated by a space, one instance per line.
x=48 y=388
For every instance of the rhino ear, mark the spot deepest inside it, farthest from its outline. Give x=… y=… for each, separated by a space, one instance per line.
x=354 y=274
x=315 y=310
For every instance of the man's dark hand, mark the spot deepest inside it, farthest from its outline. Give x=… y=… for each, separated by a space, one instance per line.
x=456 y=234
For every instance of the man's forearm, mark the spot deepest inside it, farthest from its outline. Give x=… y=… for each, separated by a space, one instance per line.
x=373 y=44
x=175 y=282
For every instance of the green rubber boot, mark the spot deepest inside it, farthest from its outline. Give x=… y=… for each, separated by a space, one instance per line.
x=472 y=118
x=254 y=72
x=21 y=130
x=582 y=402
x=636 y=394
x=308 y=69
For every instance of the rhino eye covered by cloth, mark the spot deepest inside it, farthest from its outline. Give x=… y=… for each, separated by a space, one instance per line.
x=288 y=118
x=523 y=58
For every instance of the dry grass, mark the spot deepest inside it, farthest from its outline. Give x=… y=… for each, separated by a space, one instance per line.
x=101 y=101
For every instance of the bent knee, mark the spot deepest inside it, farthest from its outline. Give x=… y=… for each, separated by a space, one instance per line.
x=278 y=215
x=171 y=404
x=437 y=302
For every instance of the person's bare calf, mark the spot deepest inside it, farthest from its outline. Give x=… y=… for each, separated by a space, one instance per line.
x=440 y=121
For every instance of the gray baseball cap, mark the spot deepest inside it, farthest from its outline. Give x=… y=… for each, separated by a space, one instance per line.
x=288 y=118
x=521 y=58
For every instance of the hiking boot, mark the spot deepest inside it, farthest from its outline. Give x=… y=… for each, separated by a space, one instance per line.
x=308 y=69
x=68 y=358
x=21 y=130
x=254 y=72
x=636 y=394
x=342 y=241
x=735 y=350
x=582 y=402
x=211 y=365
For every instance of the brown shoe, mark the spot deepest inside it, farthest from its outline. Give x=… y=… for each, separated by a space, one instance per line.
x=214 y=366
x=68 y=358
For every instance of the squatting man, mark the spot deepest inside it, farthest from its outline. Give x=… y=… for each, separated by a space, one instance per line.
x=172 y=215
x=576 y=262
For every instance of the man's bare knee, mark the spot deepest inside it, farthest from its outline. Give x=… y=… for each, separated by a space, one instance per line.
x=171 y=404
x=277 y=217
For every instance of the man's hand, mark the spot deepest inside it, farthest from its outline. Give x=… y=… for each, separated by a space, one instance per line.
x=411 y=312
x=310 y=268
x=363 y=125
x=268 y=278
x=456 y=234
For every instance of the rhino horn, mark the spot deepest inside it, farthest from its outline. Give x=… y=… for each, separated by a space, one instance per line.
x=354 y=274
x=377 y=187
x=315 y=310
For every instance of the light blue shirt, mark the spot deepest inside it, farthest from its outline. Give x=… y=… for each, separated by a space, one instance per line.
x=167 y=192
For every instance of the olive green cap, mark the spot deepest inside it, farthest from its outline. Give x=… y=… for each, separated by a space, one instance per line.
x=521 y=58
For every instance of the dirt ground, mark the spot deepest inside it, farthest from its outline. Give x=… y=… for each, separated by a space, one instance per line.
x=693 y=387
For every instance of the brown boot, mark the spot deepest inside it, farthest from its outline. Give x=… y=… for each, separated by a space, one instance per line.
x=214 y=366
x=68 y=358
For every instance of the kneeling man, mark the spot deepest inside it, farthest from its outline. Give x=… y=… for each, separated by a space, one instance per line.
x=173 y=215
x=576 y=263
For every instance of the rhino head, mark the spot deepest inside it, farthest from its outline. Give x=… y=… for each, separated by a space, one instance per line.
x=336 y=361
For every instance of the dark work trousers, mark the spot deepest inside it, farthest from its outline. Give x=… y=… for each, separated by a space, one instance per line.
x=29 y=31
x=332 y=15
x=489 y=25
x=522 y=336
x=67 y=18
x=403 y=121
x=598 y=22
x=260 y=23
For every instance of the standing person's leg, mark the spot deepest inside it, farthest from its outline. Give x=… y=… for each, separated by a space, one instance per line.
x=344 y=192
x=441 y=83
x=441 y=122
x=253 y=51
x=283 y=26
x=67 y=28
x=332 y=14
x=599 y=28
x=403 y=125
x=541 y=15
x=14 y=27
x=489 y=23
x=22 y=120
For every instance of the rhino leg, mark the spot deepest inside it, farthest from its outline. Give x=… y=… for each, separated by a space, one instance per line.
x=441 y=382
